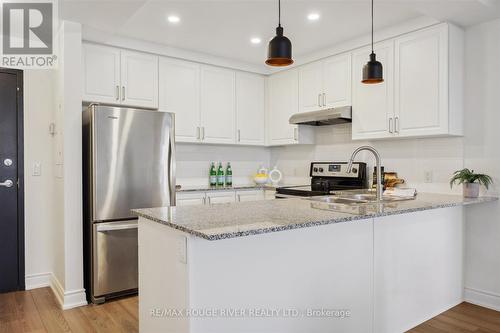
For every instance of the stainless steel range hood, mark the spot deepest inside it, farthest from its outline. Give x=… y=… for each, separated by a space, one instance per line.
x=323 y=117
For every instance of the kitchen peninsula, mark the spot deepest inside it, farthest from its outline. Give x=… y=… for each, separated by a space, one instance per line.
x=305 y=265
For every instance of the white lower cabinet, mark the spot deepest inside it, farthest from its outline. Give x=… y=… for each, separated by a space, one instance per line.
x=191 y=198
x=249 y=195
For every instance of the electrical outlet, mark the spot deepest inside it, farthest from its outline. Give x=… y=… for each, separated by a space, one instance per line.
x=428 y=176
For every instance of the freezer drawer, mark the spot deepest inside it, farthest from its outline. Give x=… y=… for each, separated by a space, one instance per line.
x=115 y=257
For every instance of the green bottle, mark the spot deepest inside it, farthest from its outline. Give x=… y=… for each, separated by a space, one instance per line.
x=220 y=175
x=229 y=175
x=213 y=175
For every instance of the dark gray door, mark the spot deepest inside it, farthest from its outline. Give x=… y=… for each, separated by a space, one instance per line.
x=11 y=219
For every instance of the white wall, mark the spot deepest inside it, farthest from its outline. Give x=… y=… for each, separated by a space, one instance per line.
x=40 y=201
x=482 y=152
x=410 y=158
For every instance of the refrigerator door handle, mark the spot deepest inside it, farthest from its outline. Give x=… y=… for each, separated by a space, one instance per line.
x=103 y=227
x=172 y=163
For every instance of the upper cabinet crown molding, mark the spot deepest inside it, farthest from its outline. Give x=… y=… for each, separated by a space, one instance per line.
x=114 y=76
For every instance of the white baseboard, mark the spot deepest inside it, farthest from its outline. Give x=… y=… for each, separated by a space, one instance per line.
x=40 y=280
x=67 y=299
x=483 y=298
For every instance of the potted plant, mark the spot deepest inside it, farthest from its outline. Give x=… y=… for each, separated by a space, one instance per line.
x=471 y=181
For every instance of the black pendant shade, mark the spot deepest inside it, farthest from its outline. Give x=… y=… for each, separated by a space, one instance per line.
x=279 y=51
x=373 y=71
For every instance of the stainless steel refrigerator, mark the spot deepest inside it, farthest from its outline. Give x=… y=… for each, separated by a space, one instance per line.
x=128 y=162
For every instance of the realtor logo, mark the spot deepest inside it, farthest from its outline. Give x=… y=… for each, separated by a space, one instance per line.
x=28 y=34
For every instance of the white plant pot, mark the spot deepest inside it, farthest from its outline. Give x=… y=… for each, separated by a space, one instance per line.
x=471 y=190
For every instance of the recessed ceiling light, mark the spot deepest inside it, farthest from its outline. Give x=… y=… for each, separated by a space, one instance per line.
x=173 y=19
x=255 y=40
x=313 y=17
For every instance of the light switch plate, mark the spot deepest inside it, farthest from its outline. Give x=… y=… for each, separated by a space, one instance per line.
x=37 y=169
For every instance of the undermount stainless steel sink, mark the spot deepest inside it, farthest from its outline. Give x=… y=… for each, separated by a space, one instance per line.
x=356 y=198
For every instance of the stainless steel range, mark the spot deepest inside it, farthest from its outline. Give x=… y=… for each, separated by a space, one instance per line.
x=327 y=177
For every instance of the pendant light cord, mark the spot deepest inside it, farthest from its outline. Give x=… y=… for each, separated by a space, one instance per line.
x=372 y=26
x=279 y=13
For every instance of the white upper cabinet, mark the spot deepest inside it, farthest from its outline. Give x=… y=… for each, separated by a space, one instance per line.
x=337 y=81
x=422 y=94
x=115 y=76
x=373 y=104
x=218 y=105
x=311 y=87
x=139 y=76
x=101 y=74
x=283 y=103
x=250 y=109
x=426 y=76
x=325 y=84
x=179 y=93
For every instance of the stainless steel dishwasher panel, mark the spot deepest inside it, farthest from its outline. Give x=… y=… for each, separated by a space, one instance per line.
x=115 y=257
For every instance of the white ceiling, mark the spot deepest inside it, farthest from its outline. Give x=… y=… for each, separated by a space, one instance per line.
x=224 y=27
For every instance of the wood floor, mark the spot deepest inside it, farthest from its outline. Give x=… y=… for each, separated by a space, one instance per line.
x=37 y=311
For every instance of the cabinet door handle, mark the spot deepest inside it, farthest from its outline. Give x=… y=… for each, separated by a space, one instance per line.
x=117 y=93
x=123 y=93
x=203 y=138
x=239 y=135
x=204 y=200
x=209 y=201
x=396 y=125
x=296 y=134
x=239 y=198
x=197 y=133
x=324 y=99
x=390 y=125
x=319 y=100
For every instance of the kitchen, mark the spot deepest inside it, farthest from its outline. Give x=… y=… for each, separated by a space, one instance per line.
x=434 y=114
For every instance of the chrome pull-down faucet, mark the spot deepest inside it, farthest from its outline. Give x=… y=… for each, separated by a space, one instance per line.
x=380 y=187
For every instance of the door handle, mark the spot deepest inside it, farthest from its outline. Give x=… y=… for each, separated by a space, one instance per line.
x=390 y=125
x=296 y=134
x=396 y=125
x=7 y=183
x=117 y=93
x=239 y=135
x=324 y=99
x=123 y=93
x=203 y=132
x=319 y=100
x=198 y=137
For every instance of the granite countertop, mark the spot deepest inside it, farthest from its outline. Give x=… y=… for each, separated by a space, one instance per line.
x=221 y=221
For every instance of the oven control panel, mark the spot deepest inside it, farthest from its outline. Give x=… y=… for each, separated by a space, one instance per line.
x=319 y=169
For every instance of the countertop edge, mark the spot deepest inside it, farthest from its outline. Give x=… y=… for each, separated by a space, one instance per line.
x=293 y=226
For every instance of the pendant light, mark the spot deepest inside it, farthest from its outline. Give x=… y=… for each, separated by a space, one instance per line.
x=373 y=70
x=279 y=52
